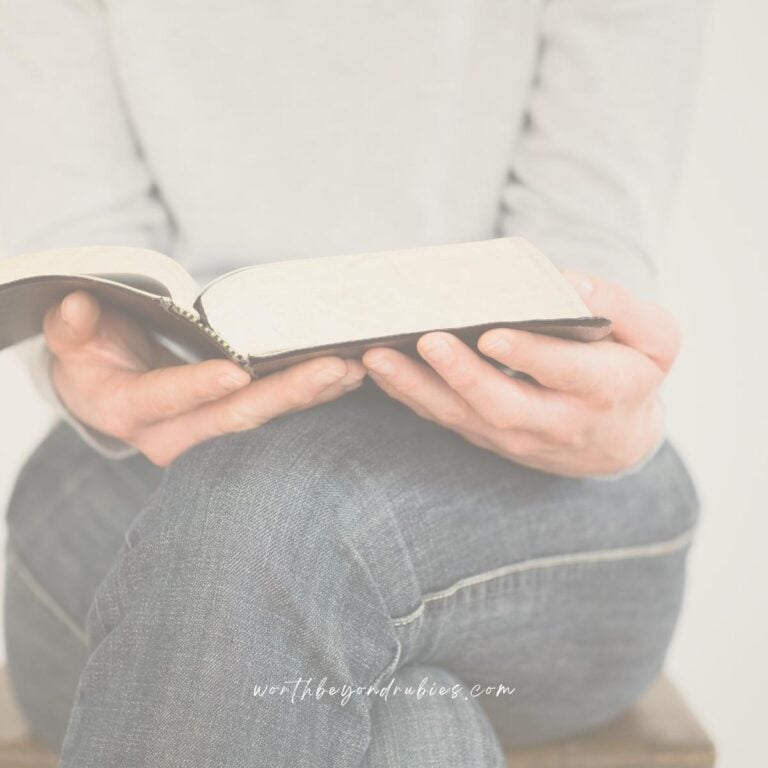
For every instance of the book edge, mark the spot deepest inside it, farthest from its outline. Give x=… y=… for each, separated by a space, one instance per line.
x=594 y=329
x=175 y=269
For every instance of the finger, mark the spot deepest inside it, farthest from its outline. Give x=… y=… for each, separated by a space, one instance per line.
x=389 y=389
x=421 y=389
x=503 y=402
x=72 y=323
x=409 y=383
x=122 y=342
x=80 y=330
x=165 y=393
x=514 y=442
x=296 y=388
x=559 y=364
x=643 y=325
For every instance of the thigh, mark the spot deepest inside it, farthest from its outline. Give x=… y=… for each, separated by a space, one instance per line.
x=565 y=589
x=66 y=521
x=554 y=646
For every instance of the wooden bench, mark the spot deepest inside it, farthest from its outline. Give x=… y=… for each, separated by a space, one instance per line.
x=658 y=731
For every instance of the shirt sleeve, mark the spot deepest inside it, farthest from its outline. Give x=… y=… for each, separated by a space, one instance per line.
x=72 y=172
x=593 y=173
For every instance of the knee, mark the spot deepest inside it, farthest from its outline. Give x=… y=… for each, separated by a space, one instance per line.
x=277 y=509
x=263 y=534
x=284 y=487
x=600 y=644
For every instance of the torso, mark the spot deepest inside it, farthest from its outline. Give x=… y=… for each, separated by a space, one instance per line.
x=290 y=130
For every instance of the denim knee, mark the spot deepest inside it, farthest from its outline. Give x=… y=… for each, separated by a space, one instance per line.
x=288 y=512
x=287 y=488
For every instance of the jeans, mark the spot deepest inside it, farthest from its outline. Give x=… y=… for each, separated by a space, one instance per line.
x=352 y=545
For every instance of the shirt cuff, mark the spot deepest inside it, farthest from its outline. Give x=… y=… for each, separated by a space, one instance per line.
x=635 y=468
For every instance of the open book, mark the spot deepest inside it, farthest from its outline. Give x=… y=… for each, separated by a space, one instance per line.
x=271 y=315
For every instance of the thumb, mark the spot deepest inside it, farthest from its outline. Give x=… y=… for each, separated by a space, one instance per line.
x=72 y=323
x=643 y=325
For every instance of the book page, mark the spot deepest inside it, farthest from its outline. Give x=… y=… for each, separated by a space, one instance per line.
x=138 y=268
x=273 y=308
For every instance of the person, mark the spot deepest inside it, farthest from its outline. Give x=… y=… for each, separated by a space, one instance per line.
x=212 y=571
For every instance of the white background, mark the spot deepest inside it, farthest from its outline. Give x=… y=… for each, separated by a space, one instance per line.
x=715 y=272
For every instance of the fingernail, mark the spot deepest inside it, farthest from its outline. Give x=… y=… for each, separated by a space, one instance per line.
x=436 y=348
x=581 y=282
x=234 y=380
x=496 y=344
x=381 y=365
x=327 y=376
x=66 y=310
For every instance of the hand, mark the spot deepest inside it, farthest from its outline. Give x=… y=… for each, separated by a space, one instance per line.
x=592 y=409
x=115 y=379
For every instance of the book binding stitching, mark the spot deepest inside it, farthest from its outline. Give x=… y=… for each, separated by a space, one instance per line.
x=230 y=351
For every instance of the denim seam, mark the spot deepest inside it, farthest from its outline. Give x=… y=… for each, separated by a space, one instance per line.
x=94 y=614
x=388 y=505
x=393 y=664
x=45 y=598
x=390 y=669
x=655 y=549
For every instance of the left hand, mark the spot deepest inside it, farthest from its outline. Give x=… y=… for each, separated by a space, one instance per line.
x=593 y=409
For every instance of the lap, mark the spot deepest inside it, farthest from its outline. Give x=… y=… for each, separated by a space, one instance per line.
x=498 y=572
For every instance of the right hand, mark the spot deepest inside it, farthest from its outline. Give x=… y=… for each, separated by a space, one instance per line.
x=113 y=377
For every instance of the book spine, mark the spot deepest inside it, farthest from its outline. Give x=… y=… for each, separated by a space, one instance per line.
x=227 y=348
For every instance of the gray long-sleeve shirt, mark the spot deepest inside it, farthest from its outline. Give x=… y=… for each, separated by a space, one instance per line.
x=245 y=131
x=231 y=133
